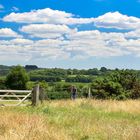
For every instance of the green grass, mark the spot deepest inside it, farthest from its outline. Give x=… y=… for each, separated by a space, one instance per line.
x=82 y=119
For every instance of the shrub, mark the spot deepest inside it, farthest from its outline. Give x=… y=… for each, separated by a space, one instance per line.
x=120 y=84
x=58 y=95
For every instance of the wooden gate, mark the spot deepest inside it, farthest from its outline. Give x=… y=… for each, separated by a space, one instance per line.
x=17 y=97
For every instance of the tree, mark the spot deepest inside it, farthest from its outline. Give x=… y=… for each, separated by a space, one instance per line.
x=2 y=83
x=17 y=78
x=31 y=67
x=103 y=69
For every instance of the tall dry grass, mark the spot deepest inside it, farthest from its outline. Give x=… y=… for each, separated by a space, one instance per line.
x=72 y=120
x=15 y=126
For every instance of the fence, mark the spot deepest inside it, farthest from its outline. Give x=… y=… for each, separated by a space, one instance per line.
x=36 y=95
x=65 y=93
x=19 y=97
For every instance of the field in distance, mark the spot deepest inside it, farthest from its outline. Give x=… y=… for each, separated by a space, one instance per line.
x=72 y=120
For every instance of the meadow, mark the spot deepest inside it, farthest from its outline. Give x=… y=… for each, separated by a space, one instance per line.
x=82 y=119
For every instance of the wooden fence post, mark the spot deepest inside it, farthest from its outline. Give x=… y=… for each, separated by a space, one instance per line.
x=35 y=95
x=89 y=93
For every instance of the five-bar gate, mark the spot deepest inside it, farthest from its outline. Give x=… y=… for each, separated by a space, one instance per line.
x=17 y=97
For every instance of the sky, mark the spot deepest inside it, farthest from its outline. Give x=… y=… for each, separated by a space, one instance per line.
x=78 y=34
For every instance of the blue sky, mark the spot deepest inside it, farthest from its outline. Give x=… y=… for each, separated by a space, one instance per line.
x=70 y=33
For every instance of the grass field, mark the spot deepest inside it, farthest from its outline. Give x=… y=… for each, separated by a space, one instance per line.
x=72 y=120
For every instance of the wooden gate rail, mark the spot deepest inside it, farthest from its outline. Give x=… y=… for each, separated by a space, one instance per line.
x=20 y=96
x=36 y=95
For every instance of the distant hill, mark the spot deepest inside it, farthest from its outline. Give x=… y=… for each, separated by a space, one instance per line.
x=4 y=70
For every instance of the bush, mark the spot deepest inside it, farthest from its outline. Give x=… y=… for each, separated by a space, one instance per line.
x=58 y=95
x=120 y=84
x=136 y=91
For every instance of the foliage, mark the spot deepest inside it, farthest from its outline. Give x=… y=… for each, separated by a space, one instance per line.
x=4 y=70
x=136 y=91
x=79 y=79
x=103 y=69
x=31 y=67
x=68 y=75
x=45 y=78
x=2 y=83
x=120 y=84
x=105 y=83
x=17 y=78
x=58 y=95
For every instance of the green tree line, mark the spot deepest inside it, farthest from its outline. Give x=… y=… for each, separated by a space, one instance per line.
x=104 y=83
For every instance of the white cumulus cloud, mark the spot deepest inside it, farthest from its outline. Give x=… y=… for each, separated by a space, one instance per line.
x=48 y=34
x=117 y=20
x=46 y=16
x=47 y=30
x=7 y=32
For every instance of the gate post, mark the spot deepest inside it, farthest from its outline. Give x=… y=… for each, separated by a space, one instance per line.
x=41 y=94
x=35 y=95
